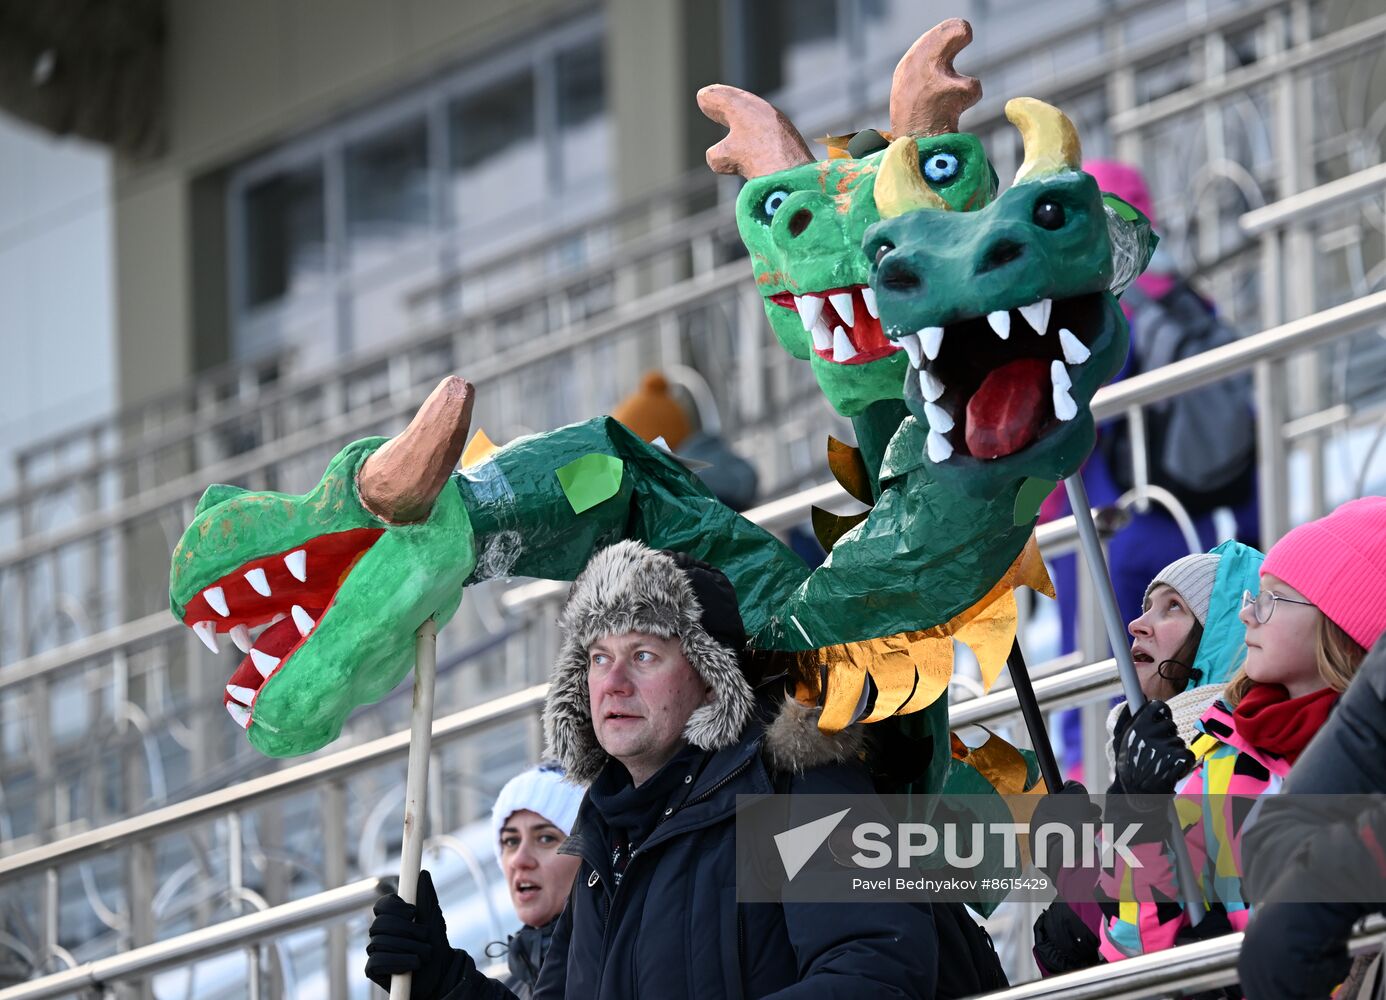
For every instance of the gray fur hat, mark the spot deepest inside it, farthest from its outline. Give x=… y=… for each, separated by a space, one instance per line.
x=629 y=587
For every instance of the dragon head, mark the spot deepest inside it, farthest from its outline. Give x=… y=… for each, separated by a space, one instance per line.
x=341 y=576
x=1007 y=313
x=803 y=220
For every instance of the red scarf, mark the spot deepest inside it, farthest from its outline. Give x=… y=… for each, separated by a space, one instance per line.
x=1268 y=718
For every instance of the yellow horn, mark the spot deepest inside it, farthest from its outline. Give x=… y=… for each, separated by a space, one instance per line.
x=1051 y=141
x=900 y=187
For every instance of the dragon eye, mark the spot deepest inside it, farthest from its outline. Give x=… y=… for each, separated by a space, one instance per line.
x=941 y=167
x=884 y=249
x=1049 y=215
x=773 y=201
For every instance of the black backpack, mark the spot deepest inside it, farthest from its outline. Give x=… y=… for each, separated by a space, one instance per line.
x=1201 y=444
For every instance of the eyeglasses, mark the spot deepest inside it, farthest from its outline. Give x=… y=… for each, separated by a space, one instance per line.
x=1263 y=604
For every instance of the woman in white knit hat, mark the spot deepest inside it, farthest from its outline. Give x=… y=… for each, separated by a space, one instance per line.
x=1188 y=641
x=533 y=815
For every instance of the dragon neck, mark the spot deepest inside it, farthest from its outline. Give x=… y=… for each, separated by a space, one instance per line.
x=874 y=427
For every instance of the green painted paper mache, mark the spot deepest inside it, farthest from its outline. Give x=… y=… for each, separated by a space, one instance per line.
x=343 y=575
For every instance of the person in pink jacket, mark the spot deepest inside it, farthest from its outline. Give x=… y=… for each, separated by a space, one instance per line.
x=1322 y=602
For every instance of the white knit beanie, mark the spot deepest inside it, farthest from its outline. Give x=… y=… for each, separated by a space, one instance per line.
x=1193 y=577
x=541 y=790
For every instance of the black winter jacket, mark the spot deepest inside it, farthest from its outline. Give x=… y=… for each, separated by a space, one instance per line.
x=1304 y=845
x=673 y=928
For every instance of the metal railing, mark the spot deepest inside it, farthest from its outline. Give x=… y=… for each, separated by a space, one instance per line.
x=238 y=932
x=1179 y=971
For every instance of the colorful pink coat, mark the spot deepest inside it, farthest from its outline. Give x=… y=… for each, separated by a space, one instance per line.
x=1215 y=802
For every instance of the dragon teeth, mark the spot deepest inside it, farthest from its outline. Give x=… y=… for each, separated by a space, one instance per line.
x=1037 y=315
x=303 y=621
x=929 y=386
x=910 y=342
x=1064 y=406
x=938 y=447
x=244 y=695
x=868 y=297
x=932 y=339
x=216 y=600
x=939 y=418
x=240 y=713
x=810 y=308
x=842 y=302
x=842 y=347
x=822 y=339
x=1000 y=322
x=297 y=564
x=1075 y=351
x=263 y=662
x=258 y=582
x=240 y=635
x=1058 y=374
x=207 y=632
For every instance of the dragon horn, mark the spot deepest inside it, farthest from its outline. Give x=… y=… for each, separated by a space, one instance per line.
x=927 y=95
x=1051 y=141
x=900 y=187
x=399 y=482
x=760 y=140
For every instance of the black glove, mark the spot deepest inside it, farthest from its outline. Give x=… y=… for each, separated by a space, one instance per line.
x=1069 y=807
x=413 y=937
x=1151 y=758
x=1063 y=943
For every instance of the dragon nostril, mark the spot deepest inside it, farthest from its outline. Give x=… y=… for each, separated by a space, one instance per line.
x=897 y=276
x=1000 y=253
x=799 y=221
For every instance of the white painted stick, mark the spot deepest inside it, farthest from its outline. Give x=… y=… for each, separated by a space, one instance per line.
x=416 y=783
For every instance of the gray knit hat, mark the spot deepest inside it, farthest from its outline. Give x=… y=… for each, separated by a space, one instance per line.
x=1192 y=576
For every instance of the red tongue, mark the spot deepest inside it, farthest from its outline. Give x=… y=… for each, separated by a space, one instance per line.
x=1004 y=415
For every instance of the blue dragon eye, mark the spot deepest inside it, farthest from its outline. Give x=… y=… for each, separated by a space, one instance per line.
x=774 y=200
x=941 y=167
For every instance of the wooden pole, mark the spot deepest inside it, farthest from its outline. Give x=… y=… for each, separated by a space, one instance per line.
x=416 y=783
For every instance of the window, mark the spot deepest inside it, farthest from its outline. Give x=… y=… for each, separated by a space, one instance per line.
x=285 y=235
x=387 y=192
x=333 y=233
x=583 y=127
x=497 y=163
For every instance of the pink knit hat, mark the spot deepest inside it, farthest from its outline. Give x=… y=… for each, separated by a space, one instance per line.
x=1339 y=563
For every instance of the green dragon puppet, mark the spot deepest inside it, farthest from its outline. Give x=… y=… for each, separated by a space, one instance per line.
x=344 y=574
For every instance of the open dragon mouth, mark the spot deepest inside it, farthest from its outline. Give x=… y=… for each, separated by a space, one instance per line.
x=843 y=322
x=993 y=385
x=289 y=592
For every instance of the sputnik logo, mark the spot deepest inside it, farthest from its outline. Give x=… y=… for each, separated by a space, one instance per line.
x=797 y=845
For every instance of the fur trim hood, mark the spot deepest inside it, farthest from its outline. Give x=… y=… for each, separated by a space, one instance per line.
x=629 y=587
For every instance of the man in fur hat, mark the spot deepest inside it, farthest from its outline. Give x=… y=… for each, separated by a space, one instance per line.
x=649 y=702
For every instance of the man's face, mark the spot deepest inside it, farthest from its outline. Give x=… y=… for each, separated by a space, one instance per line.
x=537 y=876
x=642 y=690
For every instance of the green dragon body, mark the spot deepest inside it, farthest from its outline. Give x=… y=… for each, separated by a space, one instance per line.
x=344 y=574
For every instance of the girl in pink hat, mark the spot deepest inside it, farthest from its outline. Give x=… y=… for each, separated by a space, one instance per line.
x=1321 y=604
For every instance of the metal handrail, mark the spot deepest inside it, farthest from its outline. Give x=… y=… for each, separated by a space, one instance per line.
x=1149 y=387
x=1240 y=355
x=365 y=419
x=1345 y=190
x=228 y=935
x=1065 y=683
x=631 y=253
x=256 y=791
x=1322 y=49
x=1188 y=968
